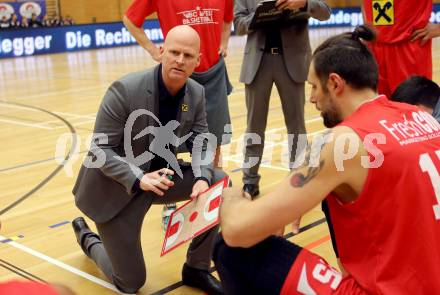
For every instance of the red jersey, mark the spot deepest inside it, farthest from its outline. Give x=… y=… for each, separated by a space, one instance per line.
x=396 y=20
x=24 y=287
x=205 y=16
x=389 y=238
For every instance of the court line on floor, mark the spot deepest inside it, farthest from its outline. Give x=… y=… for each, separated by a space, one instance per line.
x=56 y=170
x=45 y=257
x=19 y=271
x=91 y=117
x=14 y=122
x=240 y=161
x=59 y=92
x=62 y=265
x=273 y=130
x=78 y=123
x=170 y=288
x=44 y=124
x=317 y=242
x=111 y=286
x=229 y=158
x=16 y=272
x=18 y=107
x=36 y=162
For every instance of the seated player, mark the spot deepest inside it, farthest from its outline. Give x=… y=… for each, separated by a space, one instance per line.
x=377 y=167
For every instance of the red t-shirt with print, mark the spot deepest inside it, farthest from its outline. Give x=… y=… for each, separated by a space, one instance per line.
x=205 y=16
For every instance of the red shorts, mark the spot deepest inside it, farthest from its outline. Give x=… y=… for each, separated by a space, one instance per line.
x=311 y=274
x=397 y=62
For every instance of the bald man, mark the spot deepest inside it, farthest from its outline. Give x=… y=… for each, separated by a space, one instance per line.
x=128 y=169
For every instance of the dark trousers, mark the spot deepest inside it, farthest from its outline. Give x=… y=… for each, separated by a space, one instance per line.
x=272 y=70
x=326 y=210
x=120 y=255
x=261 y=269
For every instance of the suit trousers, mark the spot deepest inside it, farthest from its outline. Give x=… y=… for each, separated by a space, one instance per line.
x=120 y=255
x=272 y=70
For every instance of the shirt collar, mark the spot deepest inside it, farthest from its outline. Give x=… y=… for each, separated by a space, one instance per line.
x=163 y=91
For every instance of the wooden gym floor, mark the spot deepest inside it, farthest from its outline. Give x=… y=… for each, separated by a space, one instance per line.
x=50 y=99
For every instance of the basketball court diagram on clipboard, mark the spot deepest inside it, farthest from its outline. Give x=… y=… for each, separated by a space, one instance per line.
x=194 y=217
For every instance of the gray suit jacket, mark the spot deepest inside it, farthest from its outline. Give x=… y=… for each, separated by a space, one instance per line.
x=296 y=45
x=101 y=193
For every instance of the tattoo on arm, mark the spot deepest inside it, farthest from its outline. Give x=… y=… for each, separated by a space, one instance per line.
x=300 y=179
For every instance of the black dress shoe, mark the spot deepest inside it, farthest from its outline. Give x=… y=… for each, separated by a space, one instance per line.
x=201 y=279
x=251 y=189
x=83 y=233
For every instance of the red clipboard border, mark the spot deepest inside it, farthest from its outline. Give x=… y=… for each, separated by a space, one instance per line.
x=163 y=252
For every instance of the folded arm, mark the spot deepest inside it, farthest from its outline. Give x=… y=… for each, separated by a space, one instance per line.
x=140 y=36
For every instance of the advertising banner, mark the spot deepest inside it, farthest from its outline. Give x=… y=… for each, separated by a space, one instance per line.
x=31 y=41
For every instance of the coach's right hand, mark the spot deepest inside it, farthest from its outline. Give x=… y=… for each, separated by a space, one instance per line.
x=157 y=181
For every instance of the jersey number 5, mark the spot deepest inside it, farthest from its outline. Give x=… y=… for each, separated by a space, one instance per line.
x=427 y=165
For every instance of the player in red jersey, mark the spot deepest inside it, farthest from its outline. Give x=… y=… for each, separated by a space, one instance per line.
x=212 y=19
x=377 y=167
x=398 y=24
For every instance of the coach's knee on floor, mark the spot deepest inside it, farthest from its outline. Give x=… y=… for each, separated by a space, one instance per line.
x=130 y=284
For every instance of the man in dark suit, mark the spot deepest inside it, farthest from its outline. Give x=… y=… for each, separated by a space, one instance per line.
x=118 y=194
x=277 y=53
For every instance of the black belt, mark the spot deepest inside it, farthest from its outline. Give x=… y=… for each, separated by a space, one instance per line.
x=273 y=50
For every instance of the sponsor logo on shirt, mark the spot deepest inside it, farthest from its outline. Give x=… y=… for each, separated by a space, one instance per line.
x=199 y=16
x=418 y=126
x=383 y=12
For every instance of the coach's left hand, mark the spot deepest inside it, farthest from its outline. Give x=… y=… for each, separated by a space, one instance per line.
x=199 y=187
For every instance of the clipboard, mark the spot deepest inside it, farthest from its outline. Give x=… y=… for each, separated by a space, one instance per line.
x=267 y=15
x=194 y=217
